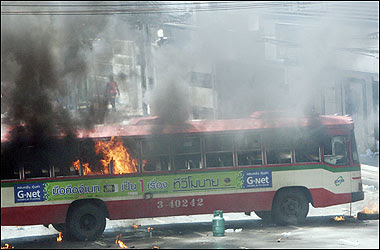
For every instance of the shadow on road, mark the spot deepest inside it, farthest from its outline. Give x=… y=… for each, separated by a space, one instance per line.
x=178 y=230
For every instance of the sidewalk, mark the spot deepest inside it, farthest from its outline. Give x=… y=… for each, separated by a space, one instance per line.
x=370 y=175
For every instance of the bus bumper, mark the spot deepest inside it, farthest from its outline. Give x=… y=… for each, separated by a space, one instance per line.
x=357 y=196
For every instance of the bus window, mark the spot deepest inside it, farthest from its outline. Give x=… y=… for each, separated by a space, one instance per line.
x=35 y=170
x=9 y=172
x=187 y=152
x=279 y=156
x=278 y=146
x=248 y=149
x=355 y=156
x=155 y=155
x=335 y=150
x=65 y=171
x=307 y=151
x=219 y=151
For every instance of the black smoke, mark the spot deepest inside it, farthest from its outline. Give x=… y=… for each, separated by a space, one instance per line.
x=43 y=59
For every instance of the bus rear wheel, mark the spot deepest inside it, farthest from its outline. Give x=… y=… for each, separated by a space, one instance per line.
x=290 y=206
x=264 y=215
x=86 y=222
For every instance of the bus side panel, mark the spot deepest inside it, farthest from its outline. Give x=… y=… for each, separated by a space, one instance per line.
x=34 y=215
x=324 y=198
x=188 y=205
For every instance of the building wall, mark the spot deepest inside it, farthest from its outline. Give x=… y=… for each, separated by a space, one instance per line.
x=351 y=87
x=120 y=59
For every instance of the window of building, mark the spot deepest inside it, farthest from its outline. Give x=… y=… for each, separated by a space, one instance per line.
x=219 y=151
x=335 y=150
x=248 y=149
x=155 y=154
x=187 y=152
x=203 y=80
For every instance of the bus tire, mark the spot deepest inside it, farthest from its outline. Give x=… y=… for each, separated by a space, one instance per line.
x=86 y=222
x=290 y=207
x=264 y=215
x=60 y=227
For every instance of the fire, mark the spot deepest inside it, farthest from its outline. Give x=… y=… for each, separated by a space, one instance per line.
x=114 y=154
x=340 y=218
x=119 y=242
x=60 y=238
x=115 y=151
x=135 y=226
x=371 y=208
x=7 y=246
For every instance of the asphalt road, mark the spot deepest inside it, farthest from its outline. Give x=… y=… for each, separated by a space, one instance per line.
x=319 y=230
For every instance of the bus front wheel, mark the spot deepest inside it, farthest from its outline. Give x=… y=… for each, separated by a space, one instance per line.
x=86 y=222
x=60 y=227
x=290 y=206
x=264 y=215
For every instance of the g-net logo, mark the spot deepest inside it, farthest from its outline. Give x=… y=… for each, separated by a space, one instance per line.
x=257 y=178
x=29 y=192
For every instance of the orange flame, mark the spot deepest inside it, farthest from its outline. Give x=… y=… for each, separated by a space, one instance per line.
x=371 y=208
x=135 y=226
x=119 y=242
x=7 y=246
x=60 y=238
x=340 y=218
x=86 y=168
x=115 y=152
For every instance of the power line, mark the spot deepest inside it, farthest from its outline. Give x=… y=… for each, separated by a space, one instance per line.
x=144 y=11
x=116 y=5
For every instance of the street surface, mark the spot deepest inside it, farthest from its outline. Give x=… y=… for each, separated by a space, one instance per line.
x=242 y=231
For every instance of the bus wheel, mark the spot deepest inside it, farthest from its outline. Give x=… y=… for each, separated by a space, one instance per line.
x=60 y=227
x=290 y=206
x=86 y=222
x=264 y=215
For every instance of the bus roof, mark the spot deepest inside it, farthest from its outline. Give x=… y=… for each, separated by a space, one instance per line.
x=152 y=125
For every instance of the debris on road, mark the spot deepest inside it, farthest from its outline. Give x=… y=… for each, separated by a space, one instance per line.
x=339 y=218
x=119 y=242
x=150 y=230
x=59 y=238
x=7 y=246
x=236 y=230
x=101 y=243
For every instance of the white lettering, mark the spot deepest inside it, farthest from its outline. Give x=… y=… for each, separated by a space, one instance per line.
x=20 y=194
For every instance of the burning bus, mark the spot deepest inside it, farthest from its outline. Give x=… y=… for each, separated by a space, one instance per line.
x=271 y=164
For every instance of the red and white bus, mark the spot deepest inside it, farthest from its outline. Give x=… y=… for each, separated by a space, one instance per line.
x=270 y=164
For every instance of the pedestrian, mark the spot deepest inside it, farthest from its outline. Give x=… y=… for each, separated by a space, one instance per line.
x=112 y=91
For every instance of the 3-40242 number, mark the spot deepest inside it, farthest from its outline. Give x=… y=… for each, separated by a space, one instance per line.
x=195 y=202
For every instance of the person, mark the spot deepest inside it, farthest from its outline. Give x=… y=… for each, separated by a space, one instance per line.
x=112 y=91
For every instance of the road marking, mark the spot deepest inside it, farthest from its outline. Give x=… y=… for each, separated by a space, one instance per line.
x=349 y=242
x=201 y=234
x=161 y=221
